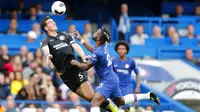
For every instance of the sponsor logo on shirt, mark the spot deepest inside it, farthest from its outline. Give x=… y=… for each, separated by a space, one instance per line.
x=59 y=46
x=127 y=66
x=122 y=71
x=62 y=37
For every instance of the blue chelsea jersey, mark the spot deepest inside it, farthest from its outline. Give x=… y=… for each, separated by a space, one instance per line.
x=102 y=61
x=124 y=69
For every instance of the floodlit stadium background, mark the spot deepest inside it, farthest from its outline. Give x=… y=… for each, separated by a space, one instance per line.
x=167 y=51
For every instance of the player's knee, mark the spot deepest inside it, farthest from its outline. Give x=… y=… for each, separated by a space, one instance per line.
x=89 y=96
x=119 y=102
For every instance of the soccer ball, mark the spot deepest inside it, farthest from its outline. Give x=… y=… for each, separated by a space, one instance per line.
x=58 y=8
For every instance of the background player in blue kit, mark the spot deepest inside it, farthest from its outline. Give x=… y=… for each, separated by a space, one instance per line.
x=123 y=67
x=109 y=81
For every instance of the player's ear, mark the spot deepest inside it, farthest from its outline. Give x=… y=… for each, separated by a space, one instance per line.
x=45 y=28
x=98 y=38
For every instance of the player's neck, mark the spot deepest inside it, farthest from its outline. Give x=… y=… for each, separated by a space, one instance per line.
x=122 y=58
x=53 y=34
x=98 y=43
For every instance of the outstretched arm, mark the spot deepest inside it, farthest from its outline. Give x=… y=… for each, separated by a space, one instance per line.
x=86 y=45
x=79 y=50
x=84 y=66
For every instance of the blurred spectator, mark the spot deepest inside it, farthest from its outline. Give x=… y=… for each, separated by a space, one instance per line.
x=30 y=58
x=10 y=106
x=87 y=36
x=139 y=37
x=71 y=29
x=50 y=89
x=43 y=77
x=171 y=30
x=4 y=88
x=40 y=110
x=27 y=71
x=32 y=14
x=36 y=29
x=140 y=109
x=197 y=11
x=22 y=94
x=23 y=53
x=189 y=56
x=13 y=14
x=124 y=22
x=18 y=83
x=190 y=31
x=10 y=98
x=39 y=9
x=47 y=67
x=9 y=78
x=16 y=64
x=12 y=30
x=81 y=108
x=175 y=39
x=179 y=11
x=2 y=109
x=31 y=36
x=33 y=88
x=4 y=59
x=157 y=32
x=38 y=56
x=59 y=95
x=21 y=6
x=149 y=109
x=43 y=94
x=73 y=97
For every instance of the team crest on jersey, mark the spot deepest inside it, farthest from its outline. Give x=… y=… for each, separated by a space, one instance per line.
x=127 y=66
x=62 y=37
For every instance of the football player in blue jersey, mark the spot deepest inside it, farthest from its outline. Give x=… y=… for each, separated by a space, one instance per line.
x=109 y=81
x=123 y=67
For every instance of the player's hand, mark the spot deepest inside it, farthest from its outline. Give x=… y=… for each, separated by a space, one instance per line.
x=137 y=90
x=86 y=58
x=48 y=58
x=78 y=36
x=73 y=62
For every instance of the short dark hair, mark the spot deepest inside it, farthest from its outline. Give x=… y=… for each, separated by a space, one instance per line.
x=122 y=43
x=105 y=35
x=43 y=23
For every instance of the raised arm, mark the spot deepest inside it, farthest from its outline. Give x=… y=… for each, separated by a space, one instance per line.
x=79 y=50
x=86 y=45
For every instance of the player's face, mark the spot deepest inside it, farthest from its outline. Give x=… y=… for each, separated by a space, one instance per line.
x=51 y=25
x=97 y=35
x=121 y=50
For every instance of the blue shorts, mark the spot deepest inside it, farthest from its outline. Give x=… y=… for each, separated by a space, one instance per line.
x=127 y=89
x=109 y=87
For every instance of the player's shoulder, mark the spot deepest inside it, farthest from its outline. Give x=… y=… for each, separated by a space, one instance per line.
x=45 y=39
x=115 y=59
x=65 y=34
x=131 y=60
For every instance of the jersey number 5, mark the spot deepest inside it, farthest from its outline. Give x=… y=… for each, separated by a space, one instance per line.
x=109 y=60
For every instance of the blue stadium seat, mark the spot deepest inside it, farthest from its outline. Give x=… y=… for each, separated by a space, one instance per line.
x=25 y=25
x=4 y=25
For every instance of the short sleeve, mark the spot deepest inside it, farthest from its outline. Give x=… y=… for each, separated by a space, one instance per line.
x=43 y=43
x=135 y=67
x=93 y=58
x=71 y=39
